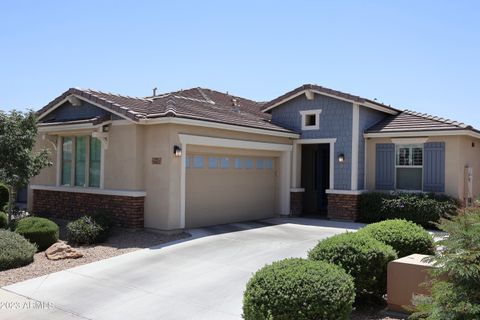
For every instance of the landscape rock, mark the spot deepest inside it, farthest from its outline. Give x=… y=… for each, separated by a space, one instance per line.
x=61 y=250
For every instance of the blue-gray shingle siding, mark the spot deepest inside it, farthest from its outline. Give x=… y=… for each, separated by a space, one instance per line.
x=335 y=122
x=68 y=112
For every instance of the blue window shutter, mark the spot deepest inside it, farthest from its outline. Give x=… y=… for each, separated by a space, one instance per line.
x=385 y=166
x=434 y=167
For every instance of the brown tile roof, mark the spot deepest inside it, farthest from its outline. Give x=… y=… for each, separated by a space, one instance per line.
x=195 y=103
x=415 y=121
x=327 y=91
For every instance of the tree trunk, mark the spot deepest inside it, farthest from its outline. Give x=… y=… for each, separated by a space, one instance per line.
x=12 y=194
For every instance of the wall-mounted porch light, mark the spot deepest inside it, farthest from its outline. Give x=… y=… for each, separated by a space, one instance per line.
x=341 y=158
x=177 y=151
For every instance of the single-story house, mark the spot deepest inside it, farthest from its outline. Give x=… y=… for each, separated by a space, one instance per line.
x=200 y=157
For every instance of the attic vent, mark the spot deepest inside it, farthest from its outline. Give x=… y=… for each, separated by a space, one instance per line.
x=74 y=101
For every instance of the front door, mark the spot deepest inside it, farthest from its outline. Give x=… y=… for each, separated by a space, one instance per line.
x=315 y=177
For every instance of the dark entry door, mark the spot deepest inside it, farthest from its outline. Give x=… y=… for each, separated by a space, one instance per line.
x=322 y=175
x=315 y=177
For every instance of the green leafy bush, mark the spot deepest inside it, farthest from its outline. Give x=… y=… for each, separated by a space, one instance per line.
x=421 y=208
x=404 y=236
x=15 y=251
x=299 y=289
x=40 y=231
x=3 y=196
x=3 y=220
x=362 y=257
x=456 y=276
x=88 y=230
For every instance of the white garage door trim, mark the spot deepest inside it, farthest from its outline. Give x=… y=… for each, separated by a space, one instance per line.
x=286 y=149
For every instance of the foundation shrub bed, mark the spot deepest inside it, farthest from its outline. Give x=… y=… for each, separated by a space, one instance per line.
x=16 y=251
x=363 y=257
x=89 y=229
x=405 y=237
x=421 y=208
x=299 y=289
x=39 y=231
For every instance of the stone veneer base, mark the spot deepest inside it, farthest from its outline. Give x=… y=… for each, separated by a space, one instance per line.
x=125 y=211
x=343 y=206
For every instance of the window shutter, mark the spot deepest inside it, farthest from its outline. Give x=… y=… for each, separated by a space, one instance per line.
x=385 y=166
x=434 y=167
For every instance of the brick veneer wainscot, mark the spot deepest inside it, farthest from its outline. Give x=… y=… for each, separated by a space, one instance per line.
x=343 y=206
x=126 y=212
x=296 y=203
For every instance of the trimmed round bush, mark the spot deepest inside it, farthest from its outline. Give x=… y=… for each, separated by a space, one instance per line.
x=405 y=237
x=362 y=257
x=86 y=230
x=3 y=220
x=15 y=251
x=40 y=231
x=299 y=289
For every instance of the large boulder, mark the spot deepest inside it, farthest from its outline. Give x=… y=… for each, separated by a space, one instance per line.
x=61 y=250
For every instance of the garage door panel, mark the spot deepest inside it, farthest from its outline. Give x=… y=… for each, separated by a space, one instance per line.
x=217 y=196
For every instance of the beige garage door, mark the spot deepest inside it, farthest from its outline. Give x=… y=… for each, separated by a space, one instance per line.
x=227 y=188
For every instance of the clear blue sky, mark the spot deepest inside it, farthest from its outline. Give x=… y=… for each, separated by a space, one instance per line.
x=421 y=55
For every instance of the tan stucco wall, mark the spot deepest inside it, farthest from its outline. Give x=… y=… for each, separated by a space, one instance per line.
x=469 y=155
x=162 y=182
x=124 y=158
x=458 y=154
x=128 y=164
x=47 y=175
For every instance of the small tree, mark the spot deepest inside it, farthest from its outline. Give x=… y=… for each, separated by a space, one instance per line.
x=456 y=281
x=18 y=162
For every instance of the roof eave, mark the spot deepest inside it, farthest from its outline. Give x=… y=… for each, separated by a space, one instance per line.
x=126 y=114
x=219 y=125
x=362 y=102
x=423 y=133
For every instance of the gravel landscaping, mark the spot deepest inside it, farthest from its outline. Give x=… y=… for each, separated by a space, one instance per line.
x=119 y=242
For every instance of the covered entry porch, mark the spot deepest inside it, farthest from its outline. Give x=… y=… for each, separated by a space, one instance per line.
x=312 y=176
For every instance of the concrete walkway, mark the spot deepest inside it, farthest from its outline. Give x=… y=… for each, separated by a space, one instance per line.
x=202 y=277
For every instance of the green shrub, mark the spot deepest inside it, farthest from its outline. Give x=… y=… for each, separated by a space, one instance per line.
x=456 y=276
x=105 y=222
x=40 y=231
x=15 y=251
x=3 y=196
x=421 y=208
x=3 y=220
x=404 y=236
x=86 y=230
x=299 y=289
x=362 y=257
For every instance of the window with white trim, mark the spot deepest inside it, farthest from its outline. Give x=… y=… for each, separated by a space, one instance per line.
x=311 y=119
x=198 y=162
x=409 y=167
x=224 y=163
x=212 y=163
x=81 y=161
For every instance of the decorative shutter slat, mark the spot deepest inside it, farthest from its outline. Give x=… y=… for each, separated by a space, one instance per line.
x=434 y=167
x=385 y=166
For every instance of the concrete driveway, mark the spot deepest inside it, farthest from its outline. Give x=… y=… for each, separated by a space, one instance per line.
x=202 y=277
